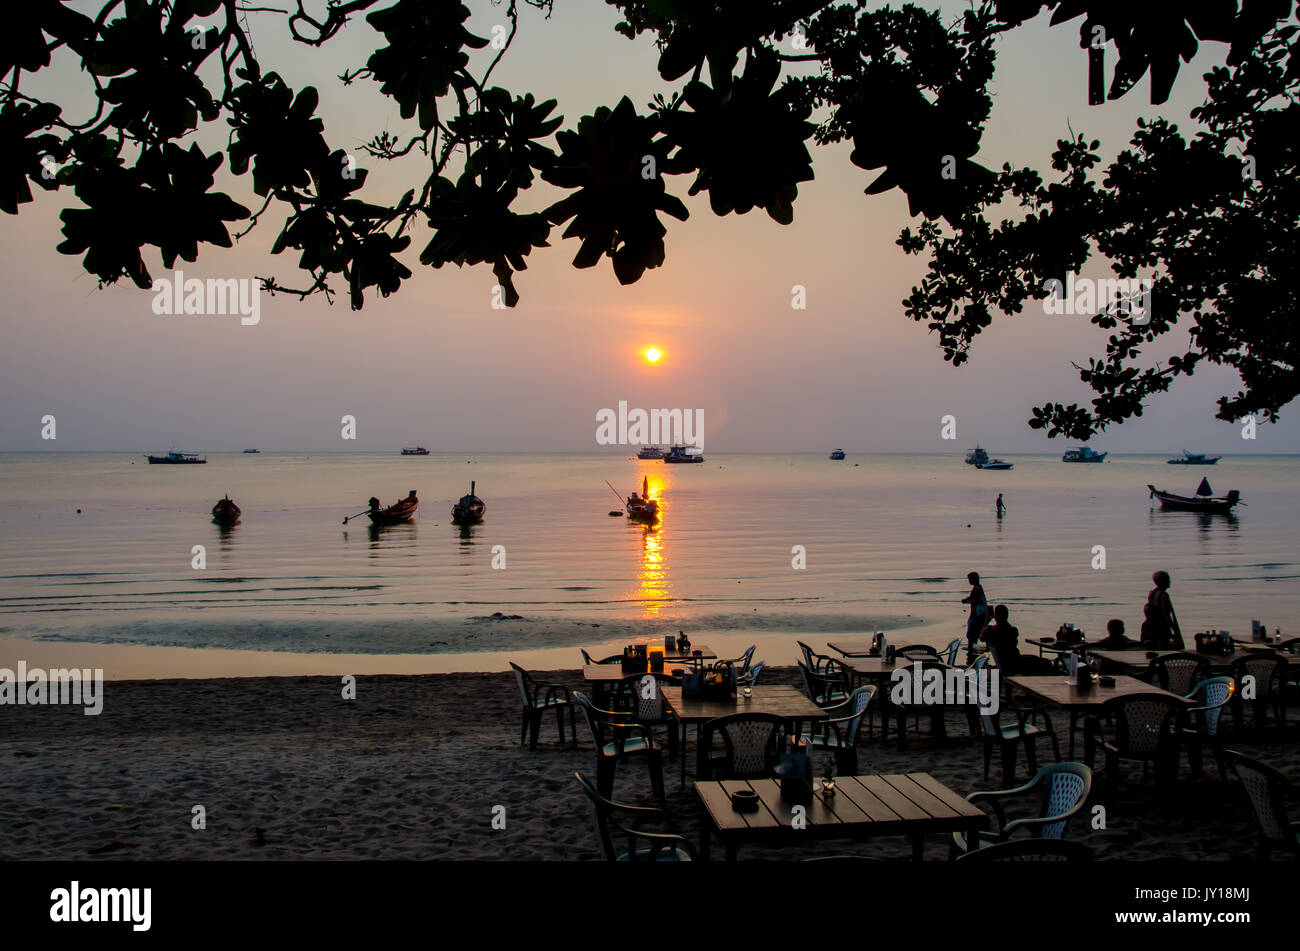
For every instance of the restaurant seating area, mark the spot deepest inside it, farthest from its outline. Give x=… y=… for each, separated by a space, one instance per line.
x=815 y=761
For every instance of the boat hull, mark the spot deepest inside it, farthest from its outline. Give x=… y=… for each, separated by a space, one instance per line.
x=470 y=514
x=225 y=513
x=1201 y=503
x=394 y=514
x=643 y=513
x=165 y=461
x=1192 y=462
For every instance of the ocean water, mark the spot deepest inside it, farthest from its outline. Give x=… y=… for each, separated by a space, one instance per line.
x=887 y=539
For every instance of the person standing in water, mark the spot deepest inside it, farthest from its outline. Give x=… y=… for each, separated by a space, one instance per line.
x=1000 y=507
x=1162 y=627
x=979 y=610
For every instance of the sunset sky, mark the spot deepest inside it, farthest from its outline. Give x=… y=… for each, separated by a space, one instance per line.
x=437 y=366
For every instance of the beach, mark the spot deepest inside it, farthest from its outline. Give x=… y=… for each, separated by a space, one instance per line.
x=415 y=767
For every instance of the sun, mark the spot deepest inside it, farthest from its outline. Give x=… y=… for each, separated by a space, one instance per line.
x=652 y=354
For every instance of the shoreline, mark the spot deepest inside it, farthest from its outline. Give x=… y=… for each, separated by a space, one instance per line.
x=133 y=661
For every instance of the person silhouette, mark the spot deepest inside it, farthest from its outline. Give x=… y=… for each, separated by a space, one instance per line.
x=1000 y=506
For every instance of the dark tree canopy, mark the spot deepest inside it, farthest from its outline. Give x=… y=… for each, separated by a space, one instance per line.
x=749 y=85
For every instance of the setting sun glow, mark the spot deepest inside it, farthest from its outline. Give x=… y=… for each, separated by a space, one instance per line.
x=652 y=354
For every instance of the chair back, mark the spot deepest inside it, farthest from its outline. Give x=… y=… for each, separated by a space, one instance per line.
x=751 y=678
x=602 y=724
x=1210 y=697
x=1065 y=788
x=648 y=706
x=751 y=744
x=1179 y=673
x=521 y=676
x=810 y=657
x=602 y=808
x=980 y=662
x=1143 y=722
x=741 y=663
x=950 y=652
x=1265 y=667
x=821 y=685
x=917 y=650
x=1267 y=790
x=858 y=702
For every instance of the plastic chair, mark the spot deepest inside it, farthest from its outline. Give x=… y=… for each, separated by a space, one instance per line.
x=659 y=847
x=1062 y=790
x=1178 y=673
x=950 y=652
x=1146 y=728
x=648 y=707
x=741 y=663
x=1006 y=739
x=1268 y=671
x=1030 y=850
x=617 y=737
x=590 y=661
x=914 y=651
x=751 y=746
x=538 y=697
x=814 y=660
x=1210 y=697
x=839 y=734
x=1267 y=789
x=827 y=687
x=751 y=678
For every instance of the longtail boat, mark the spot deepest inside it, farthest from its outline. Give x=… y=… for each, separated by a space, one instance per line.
x=225 y=513
x=642 y=508
x=469 y=510
x=400 y=511
x=1203 y=501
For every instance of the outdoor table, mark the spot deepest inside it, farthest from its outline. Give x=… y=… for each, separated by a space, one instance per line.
x=880 y=672
x=1049 y=644
x=786 y=702
x=851 y=646
x=911 y=804
x=1139 y=659
x=1055 y=691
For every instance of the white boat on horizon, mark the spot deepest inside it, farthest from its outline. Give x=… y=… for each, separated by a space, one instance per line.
x=1193 y=459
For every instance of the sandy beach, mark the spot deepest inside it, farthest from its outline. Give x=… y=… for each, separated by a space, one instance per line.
x=284 y=768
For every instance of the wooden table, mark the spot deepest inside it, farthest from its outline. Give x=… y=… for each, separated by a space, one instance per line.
x=1138 y=659
x=1054 y=691
x=851 y=646
x=785 y=702
x=1049 y=644
x=912 y=804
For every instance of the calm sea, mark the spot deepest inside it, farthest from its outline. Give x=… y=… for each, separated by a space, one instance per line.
x=98 y=548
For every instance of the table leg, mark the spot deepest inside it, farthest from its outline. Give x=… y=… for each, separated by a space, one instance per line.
x=706 y=840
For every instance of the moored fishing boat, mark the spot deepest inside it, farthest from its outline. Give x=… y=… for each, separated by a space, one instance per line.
x=642 y=508
x=993 y=464
x=401 y=511
x=225 y=513
x=1083 y=454
x=1203 y=501
x=650 y=452
x=976 y=456
x=469 y=510
x=837 y=454
x=415 y=451
x=174 y=458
